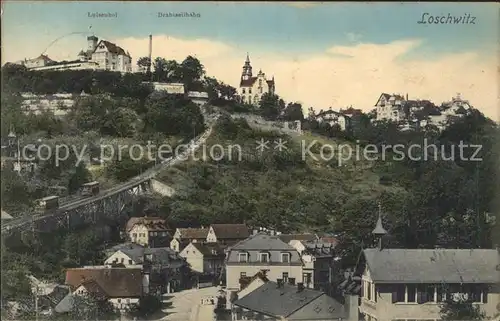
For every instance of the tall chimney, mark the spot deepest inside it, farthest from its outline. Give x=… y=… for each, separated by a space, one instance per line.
x=150 y=53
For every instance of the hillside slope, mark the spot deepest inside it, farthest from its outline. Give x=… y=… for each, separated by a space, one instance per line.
x=272 y=187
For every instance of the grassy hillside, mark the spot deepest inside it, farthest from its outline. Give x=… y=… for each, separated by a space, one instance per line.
x=271 y=188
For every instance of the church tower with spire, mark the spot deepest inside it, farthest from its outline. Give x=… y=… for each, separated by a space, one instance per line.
x=379 y=231
x=247 y=69
x=253 y=87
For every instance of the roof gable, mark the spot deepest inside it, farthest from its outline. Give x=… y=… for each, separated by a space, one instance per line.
x=111 y=47
x=190 y=247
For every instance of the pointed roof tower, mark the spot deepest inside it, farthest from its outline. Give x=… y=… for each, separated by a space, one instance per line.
x=247 y=69
x=379 y=229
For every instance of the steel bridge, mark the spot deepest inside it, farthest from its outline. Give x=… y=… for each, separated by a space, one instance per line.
x=107 y=204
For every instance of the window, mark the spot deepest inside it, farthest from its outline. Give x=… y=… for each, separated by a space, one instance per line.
x=130 y=262
x=243 y=257
x=398 y=294
x=264 y=257
x=291 y=281
x=249 y=90
x=122 y=260
x=128 y=300
x=368 y=290
x=260 y=90
x=285 y=277
x=134 y=235
x=306 y=278
x=243 y=90
x=285 y=257
x=119 y=300
x=411 y=293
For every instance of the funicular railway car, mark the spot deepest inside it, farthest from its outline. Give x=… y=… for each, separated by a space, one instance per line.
x=48 y=203
x=90 y=189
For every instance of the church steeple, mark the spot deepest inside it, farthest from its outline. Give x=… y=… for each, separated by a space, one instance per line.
x=379 y=231
x=247 y=69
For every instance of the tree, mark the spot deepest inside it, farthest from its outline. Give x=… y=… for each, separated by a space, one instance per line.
x=192 y=72
x=79 y=177
x=144 y=63
x=293 y=111
x=461 y=310
x=270 y=106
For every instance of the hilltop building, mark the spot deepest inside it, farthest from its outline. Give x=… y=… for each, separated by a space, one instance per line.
x=252 y=88
x=419 y=113
x=98 y=55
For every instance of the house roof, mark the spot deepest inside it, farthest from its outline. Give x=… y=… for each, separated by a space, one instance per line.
x=55 y=297
x=44 y=57
x=432 y=265
x=263 y=241
x=193 y=233
x=245 y=281
x=248 y=82
x=115 y=282
x=128 y=245
x=351 y=111
x=231 y=231
x=319 y=249
x=95 y=289
x=284 y=301
x=299 y=237
x=329 y=239
x=161 y=255
x=113 y=48
x=329 y=111
x=152 y=223
x=388 y=96
x=210 y=249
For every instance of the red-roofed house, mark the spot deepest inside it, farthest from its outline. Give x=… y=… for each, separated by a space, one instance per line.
x=252 y=88
x=227 y=233
x=123 y=287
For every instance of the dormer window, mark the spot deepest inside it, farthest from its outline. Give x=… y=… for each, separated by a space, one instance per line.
x=285 y=257
x=264 y=257
x=243 y=257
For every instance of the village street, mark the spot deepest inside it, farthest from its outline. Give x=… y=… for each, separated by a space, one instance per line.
x=186 y=305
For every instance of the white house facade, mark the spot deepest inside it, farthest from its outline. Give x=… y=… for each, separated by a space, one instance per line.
x=252 y=88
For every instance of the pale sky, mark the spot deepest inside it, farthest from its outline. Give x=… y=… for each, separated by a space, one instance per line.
x=322 y=55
